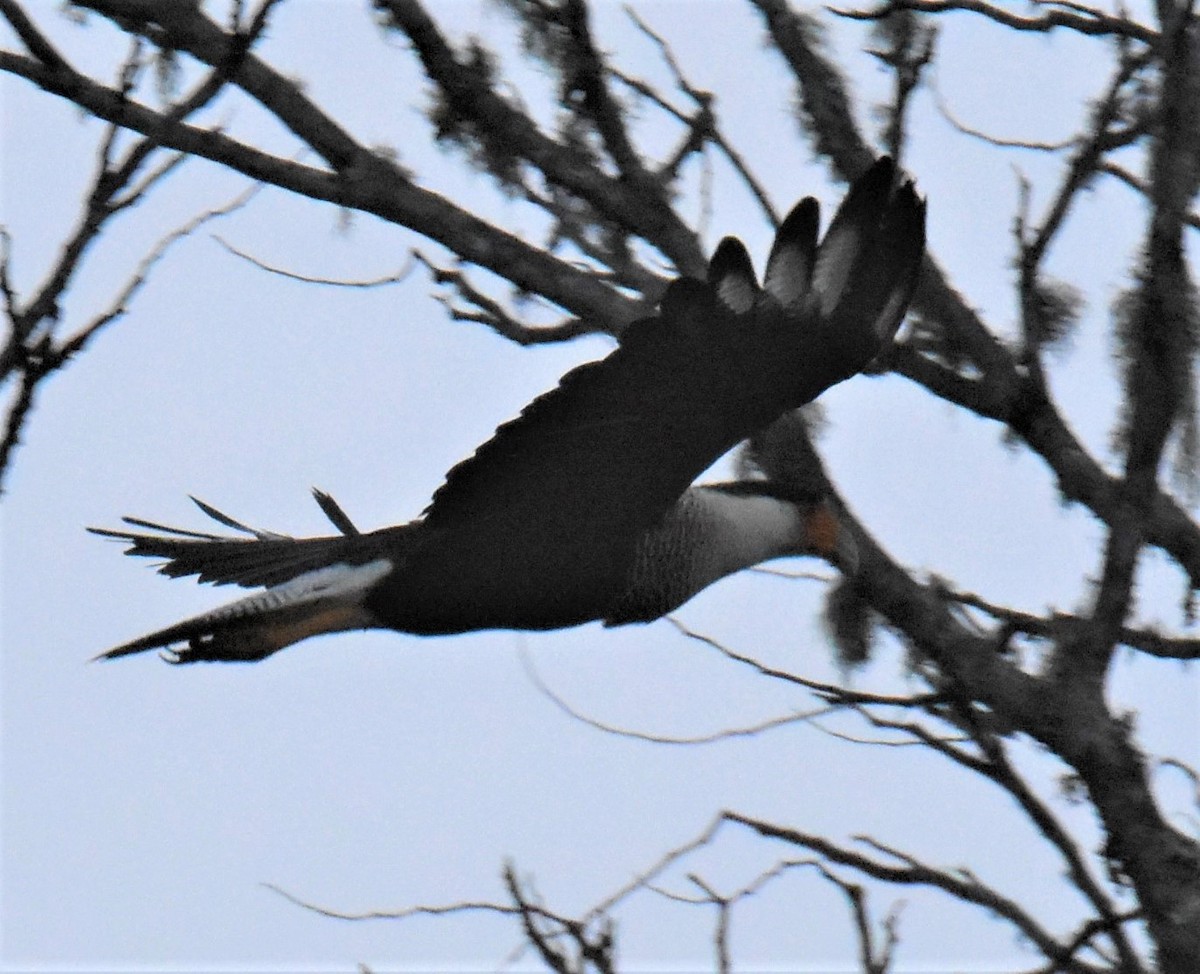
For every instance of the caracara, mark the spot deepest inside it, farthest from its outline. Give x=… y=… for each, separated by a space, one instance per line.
x=582 y=508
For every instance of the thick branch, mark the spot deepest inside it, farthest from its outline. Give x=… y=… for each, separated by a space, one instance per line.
x=34 y=40
x=496 y=119
x=373 y=185
x=1070 y=718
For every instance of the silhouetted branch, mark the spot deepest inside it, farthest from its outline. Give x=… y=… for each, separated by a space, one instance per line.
x=1077 y=17
x=364 y=180
x=141 y=275
x=841 y=696
x=34 y=40
x=997 y=768
x=724 y=734
x=1051 y=627
x=910 y=42
x=592 y=937
x=704 y=123
x=969 y=665
x=874 y=960
x=823 y=99
x=491 y=313
x=395 y=277
x=1087 y=932
x=588 y=80
x=30 y=374
x=511 y=134
x=32 y=350
x=904 y=869
x=1159 y=337
x=1192 y=219
x=944 y=109
x=543 y=929
x=465 y=906
x=1090 y=146
x=725 y=903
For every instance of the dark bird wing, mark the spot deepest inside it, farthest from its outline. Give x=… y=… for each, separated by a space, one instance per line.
x=608 y=451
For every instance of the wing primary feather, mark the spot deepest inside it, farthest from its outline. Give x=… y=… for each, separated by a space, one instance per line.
x=731 y=272
x=852 y=226
x=790 y=264
x=883 y=269
x=903 y=247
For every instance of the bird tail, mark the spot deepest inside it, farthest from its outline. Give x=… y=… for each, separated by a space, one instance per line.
x=328 y=599
x=311 y=585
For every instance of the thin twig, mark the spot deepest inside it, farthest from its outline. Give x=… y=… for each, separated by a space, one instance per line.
x=371 y=282
x=1147 y=641
x=141 y=274
x=943 y=107
x=725 y=734
x=465 y=906
x=705 y=120
x=911 y=871
x=491 y=313
x=643 y=879
x=843 y=696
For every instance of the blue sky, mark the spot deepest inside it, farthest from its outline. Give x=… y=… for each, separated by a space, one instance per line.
x=144 y=806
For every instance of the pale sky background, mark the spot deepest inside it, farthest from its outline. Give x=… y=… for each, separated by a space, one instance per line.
x=144 y=806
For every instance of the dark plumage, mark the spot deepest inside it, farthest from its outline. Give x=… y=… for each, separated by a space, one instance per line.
x=582 y=507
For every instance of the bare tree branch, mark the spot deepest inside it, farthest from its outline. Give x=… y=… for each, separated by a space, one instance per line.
x=874 y=961
x=911 y=871
x=724 y=734
x=829 y=691
x=491 y=313
x=704 y=122
x=1085 y=20
x=465 y=906
x=591 y=949
x=1148 y=641
x=1192 y=219
x=366 y=182
x=395 y=277
x=513 y=134
x=38 y=359
x=943 y=106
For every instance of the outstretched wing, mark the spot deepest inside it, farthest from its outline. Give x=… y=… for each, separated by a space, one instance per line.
x=605 y=454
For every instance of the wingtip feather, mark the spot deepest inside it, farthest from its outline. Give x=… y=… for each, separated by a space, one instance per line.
x=790 y=263
x=731 y=272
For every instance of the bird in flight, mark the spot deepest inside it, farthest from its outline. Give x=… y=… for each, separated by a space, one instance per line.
x=583 y=507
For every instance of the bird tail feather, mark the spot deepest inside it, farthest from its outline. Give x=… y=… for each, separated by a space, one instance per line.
x=329 y=599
